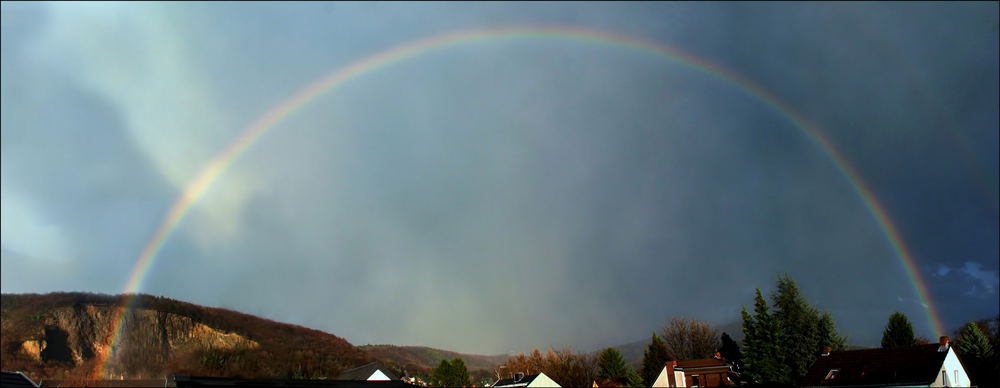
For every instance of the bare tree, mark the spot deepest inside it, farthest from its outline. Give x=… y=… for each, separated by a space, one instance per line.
x=563 y=366
x=690 y=339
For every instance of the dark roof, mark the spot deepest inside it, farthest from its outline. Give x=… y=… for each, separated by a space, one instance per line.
x=919 y=364
x=365 y=371
x=706 y=363
x=511 y=381
x=15 y=379
x=192 y=381
x=108 y=383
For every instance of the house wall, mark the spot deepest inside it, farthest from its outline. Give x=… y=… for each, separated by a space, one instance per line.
x=952 y=365
x=543 y=381
x=707 y=379
x=378 y=376
x=661 y=379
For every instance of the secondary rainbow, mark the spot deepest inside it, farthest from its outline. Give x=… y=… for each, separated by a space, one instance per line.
x=253 y=133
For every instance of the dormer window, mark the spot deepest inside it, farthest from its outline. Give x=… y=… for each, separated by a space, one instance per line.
x=833 y=374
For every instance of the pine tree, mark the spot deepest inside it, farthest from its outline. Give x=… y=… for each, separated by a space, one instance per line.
x=653 y=360
x=762 y=356
x=898 y=332
x=798 y=323
x=612 y=366
x=460 y=372
x=751 y=342
x=730 y=350
x=827 y=335
x=977 y=353
x=451 y=374
x=973 y=343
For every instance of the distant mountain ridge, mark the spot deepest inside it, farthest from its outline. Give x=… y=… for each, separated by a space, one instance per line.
x=420 y=359
x=65 y=335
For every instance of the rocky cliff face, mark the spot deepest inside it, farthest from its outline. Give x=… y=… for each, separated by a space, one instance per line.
x=81 y=333
x=69 y=334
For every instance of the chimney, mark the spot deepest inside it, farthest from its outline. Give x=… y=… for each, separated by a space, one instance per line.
x=670 y=373
x=943 y=342
x=827 y=350
x=718 y=355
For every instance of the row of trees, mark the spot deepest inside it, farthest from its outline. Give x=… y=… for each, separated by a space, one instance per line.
x=563 y=366
x=783 y=340
x=608 y=368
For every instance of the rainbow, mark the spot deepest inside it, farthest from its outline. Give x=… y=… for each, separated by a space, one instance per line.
x=253 y=133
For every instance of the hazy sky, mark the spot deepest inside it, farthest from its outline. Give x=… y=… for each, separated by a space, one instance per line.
x=503 y=194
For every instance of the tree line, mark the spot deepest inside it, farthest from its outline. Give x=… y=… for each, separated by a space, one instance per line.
x=781 y=341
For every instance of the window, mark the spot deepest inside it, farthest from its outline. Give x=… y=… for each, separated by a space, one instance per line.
x=833 y=373
x=956 y=378
x=944 y=379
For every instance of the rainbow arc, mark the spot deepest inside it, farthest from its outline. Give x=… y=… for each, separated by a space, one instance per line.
x=253 y=133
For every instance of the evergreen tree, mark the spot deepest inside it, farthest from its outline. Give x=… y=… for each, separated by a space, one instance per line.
x=977 y=353
x=828 y=336
x=762 y=355
x=730 y=350
x=751 y=342
x=973 y=343
x=653 y=360
x=898 y=332
x=451 y=374
x=460 y=372
x=612 y=366
x=798 y=324
x=632 y=378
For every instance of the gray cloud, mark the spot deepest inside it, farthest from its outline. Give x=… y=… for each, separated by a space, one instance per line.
x=497 y=196
x=986 y=279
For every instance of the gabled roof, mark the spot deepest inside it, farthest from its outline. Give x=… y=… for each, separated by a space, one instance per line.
x=108 y=383
x=183 y=381
x=919 y=364
x=705 y=363
x=15 y=379
x=366 y=370
x=524 y=381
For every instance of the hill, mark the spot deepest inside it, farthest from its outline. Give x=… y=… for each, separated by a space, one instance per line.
x=63 y=335
x=66 y=335
x=421 y=359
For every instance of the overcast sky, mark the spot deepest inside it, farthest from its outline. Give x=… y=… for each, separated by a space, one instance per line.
x=503 y=194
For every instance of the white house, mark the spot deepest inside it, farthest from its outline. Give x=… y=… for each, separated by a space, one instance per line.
x=931 y=365
x=373 y=371
x=709 y=372
x=529 y=381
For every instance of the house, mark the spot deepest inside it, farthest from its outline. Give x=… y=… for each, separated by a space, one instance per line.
x=520 y=380
x=15 y=379
x=709 y=372
x=931 y=365
x=130 y=383
x=183 y=381
x=373 y=371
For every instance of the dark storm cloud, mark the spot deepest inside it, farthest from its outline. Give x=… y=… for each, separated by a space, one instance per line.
x=498 y=196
